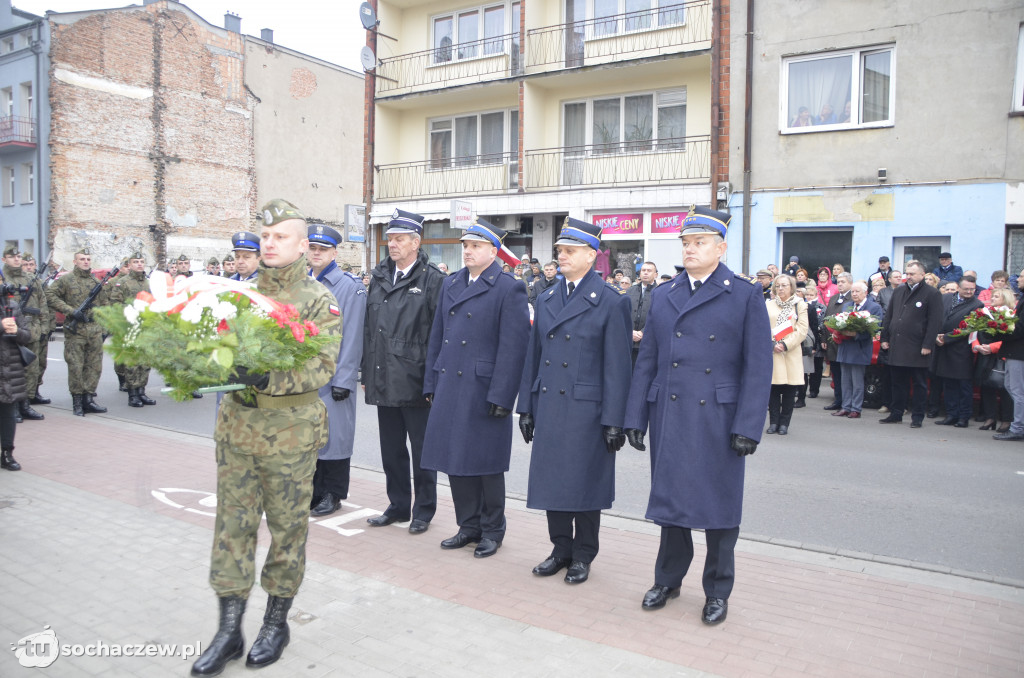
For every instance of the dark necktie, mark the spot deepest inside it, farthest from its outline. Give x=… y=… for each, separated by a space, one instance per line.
x=696 y=286
x=572 y=286
x=399 y=277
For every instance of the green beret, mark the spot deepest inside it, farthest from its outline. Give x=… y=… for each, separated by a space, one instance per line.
x=11 y=251
x=229 y=257
x=213 y=262
x=85 y=251
x=27 y=256
x=278 y=210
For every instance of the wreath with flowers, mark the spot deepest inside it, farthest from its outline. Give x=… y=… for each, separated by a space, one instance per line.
x=197 y=332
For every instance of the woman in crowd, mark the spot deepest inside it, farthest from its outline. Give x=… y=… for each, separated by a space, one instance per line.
x=826 y=288
x=801 y=276
x=931 y=279
x=788 y=316
x=996 y=404
x=1000 y=281
x=836 y=270
x=13 y=384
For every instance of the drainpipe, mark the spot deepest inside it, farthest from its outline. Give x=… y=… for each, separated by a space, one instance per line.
x=747 y=119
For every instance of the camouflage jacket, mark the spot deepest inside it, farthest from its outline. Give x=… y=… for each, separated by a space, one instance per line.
x=123 y=288
x=267 y=429
x=67 y=292
x=36 y=300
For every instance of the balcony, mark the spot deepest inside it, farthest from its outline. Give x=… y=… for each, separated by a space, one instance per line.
x=17 y=133
x=649 y=33
x=630 y=163
x=459 y=64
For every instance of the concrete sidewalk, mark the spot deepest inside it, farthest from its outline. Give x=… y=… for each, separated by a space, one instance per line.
x=106 y=536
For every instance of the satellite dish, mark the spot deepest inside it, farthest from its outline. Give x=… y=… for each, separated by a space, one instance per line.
x=367 y=16
x=368 y=58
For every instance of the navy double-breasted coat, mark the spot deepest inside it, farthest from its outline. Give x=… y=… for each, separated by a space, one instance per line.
x=575 y=381
x=474 y=357
x=704 y=372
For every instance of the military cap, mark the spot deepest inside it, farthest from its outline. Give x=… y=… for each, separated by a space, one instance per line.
x=405 y=222
x=278 y=210
x=11 y=251
x=245 y=241
x=576 y=232
x=705 y=220
x=212 y=261
x=346 y=267
x=322 y=234
x=485 y=232
x=85 y=251
x=137 y=254
x=228 y=257
x=183 y=257
x=27 y=256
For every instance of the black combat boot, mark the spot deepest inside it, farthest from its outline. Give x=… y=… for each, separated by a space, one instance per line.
x=39 y=399
x=7 y=461
x=228 y=644
x=90 y=405
x=120 y=384
x=133 y=398
x=273 y=635
x=76 y=404
x=27 y=412
x=146 y=400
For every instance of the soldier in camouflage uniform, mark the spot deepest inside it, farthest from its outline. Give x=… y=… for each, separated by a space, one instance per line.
x=228 y=265
x=83 y=348
x=266 y=456
x=37 y=369
x=33 y=305
x=123 y=291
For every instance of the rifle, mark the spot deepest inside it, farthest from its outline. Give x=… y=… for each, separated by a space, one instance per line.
x=70 y=322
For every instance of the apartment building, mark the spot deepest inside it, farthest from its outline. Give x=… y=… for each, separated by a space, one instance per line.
x=523 y=113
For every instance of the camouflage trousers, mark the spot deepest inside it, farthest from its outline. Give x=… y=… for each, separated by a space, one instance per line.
x=83 y=352
x=134 y=377
x=281 y=484
x=34 y=372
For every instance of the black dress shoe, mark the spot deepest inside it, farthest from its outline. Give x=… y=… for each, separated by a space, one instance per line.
x=963 y=423
x=39 y=400
x=773 y=428
x=915 y=423
x=783 y=430
x=1008 y=436
x=948 y=421
x=327 y=505
x=418 y=526
x=658 y=595
x=932 y=414
x=487 y=548
x=891 y=419
x=800 y=403
x=833 y=406
x=551 y=566
x=458 y=541
x=577 y=573
x=715 y=610
x=384 y=519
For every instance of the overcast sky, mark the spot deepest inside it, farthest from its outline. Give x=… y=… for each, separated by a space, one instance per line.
x=327 y=29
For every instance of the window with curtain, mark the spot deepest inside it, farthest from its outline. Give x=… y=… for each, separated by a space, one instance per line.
x=440 y=143
x=838 y=90
x=469 y=140
x=473 y=32
x=671 y=119
x=443 y=39
x=637 y=122
x=615 y=16
x=469 y=33
x=1018 y=83
x=494 y=28
x=605 y=132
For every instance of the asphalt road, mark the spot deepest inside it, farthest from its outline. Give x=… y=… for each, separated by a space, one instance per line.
x=937 y=495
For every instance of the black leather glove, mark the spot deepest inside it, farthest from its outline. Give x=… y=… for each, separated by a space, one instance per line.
x=526 y=426
x=636 y=438
x=498 y=411
x=340 y=394
x=614 y=438
x=742 y=444
x=242 y=376
x=79 y=316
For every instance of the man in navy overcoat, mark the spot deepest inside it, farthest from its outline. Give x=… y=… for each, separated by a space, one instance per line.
x=474 y=362
x=573 y=395
x=701 y=382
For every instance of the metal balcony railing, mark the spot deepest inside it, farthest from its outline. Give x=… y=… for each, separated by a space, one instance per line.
x=470 y=175
x=662 y=161
x=17 y=129
x=494 y=57
x=666 y=29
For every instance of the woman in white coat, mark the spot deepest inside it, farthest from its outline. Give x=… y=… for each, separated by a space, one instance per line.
x=787 y=314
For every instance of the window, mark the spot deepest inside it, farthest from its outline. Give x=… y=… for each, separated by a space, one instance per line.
x=616 y=16
x=6 y=101
x=1018 y=85
x=477 y=139
x=7 y=178
x=26 y=99
x=638 y=122
x=837 y=90
x=472 y=32
x=6 y=45
x=28 y=183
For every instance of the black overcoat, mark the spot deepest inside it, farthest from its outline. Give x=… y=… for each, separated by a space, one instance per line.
x=954 y=359
x=912 y=322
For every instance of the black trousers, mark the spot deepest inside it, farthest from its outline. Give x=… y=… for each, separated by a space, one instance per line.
x=936 y=394
x=7 y=425
x=780 y=403
x=581 y=545
x=997 y=404
x=396 y=424
x=331 y=475
x=480 y=505
x=814 y=380
x=837 y=378
x=676 y=553
x=903 y=379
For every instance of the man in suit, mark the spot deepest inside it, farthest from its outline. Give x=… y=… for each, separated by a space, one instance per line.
x=854 y=353
x=640 y=302
x=908 y=333
x=702 y=382
x=573 y=396
x=331 y=480
x=835 y=305
x=474 y=363
x=954 y=361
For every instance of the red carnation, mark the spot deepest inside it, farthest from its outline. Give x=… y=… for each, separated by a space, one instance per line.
x=1004 y=326
x=222 y=326
x=993 y=323
x=298 y=332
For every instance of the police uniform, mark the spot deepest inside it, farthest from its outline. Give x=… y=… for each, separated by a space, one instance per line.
x=266 y=456
x=400 y=308
x=701 y=382
x=123 y=291
x=331 y=480
x=474 y=363
x=573 y=393
x=33 y=305
x=83 y=348
x=245 y=241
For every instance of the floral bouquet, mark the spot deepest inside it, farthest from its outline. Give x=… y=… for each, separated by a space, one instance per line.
x=998 y=320
x=851 y=321
x=197 y=331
